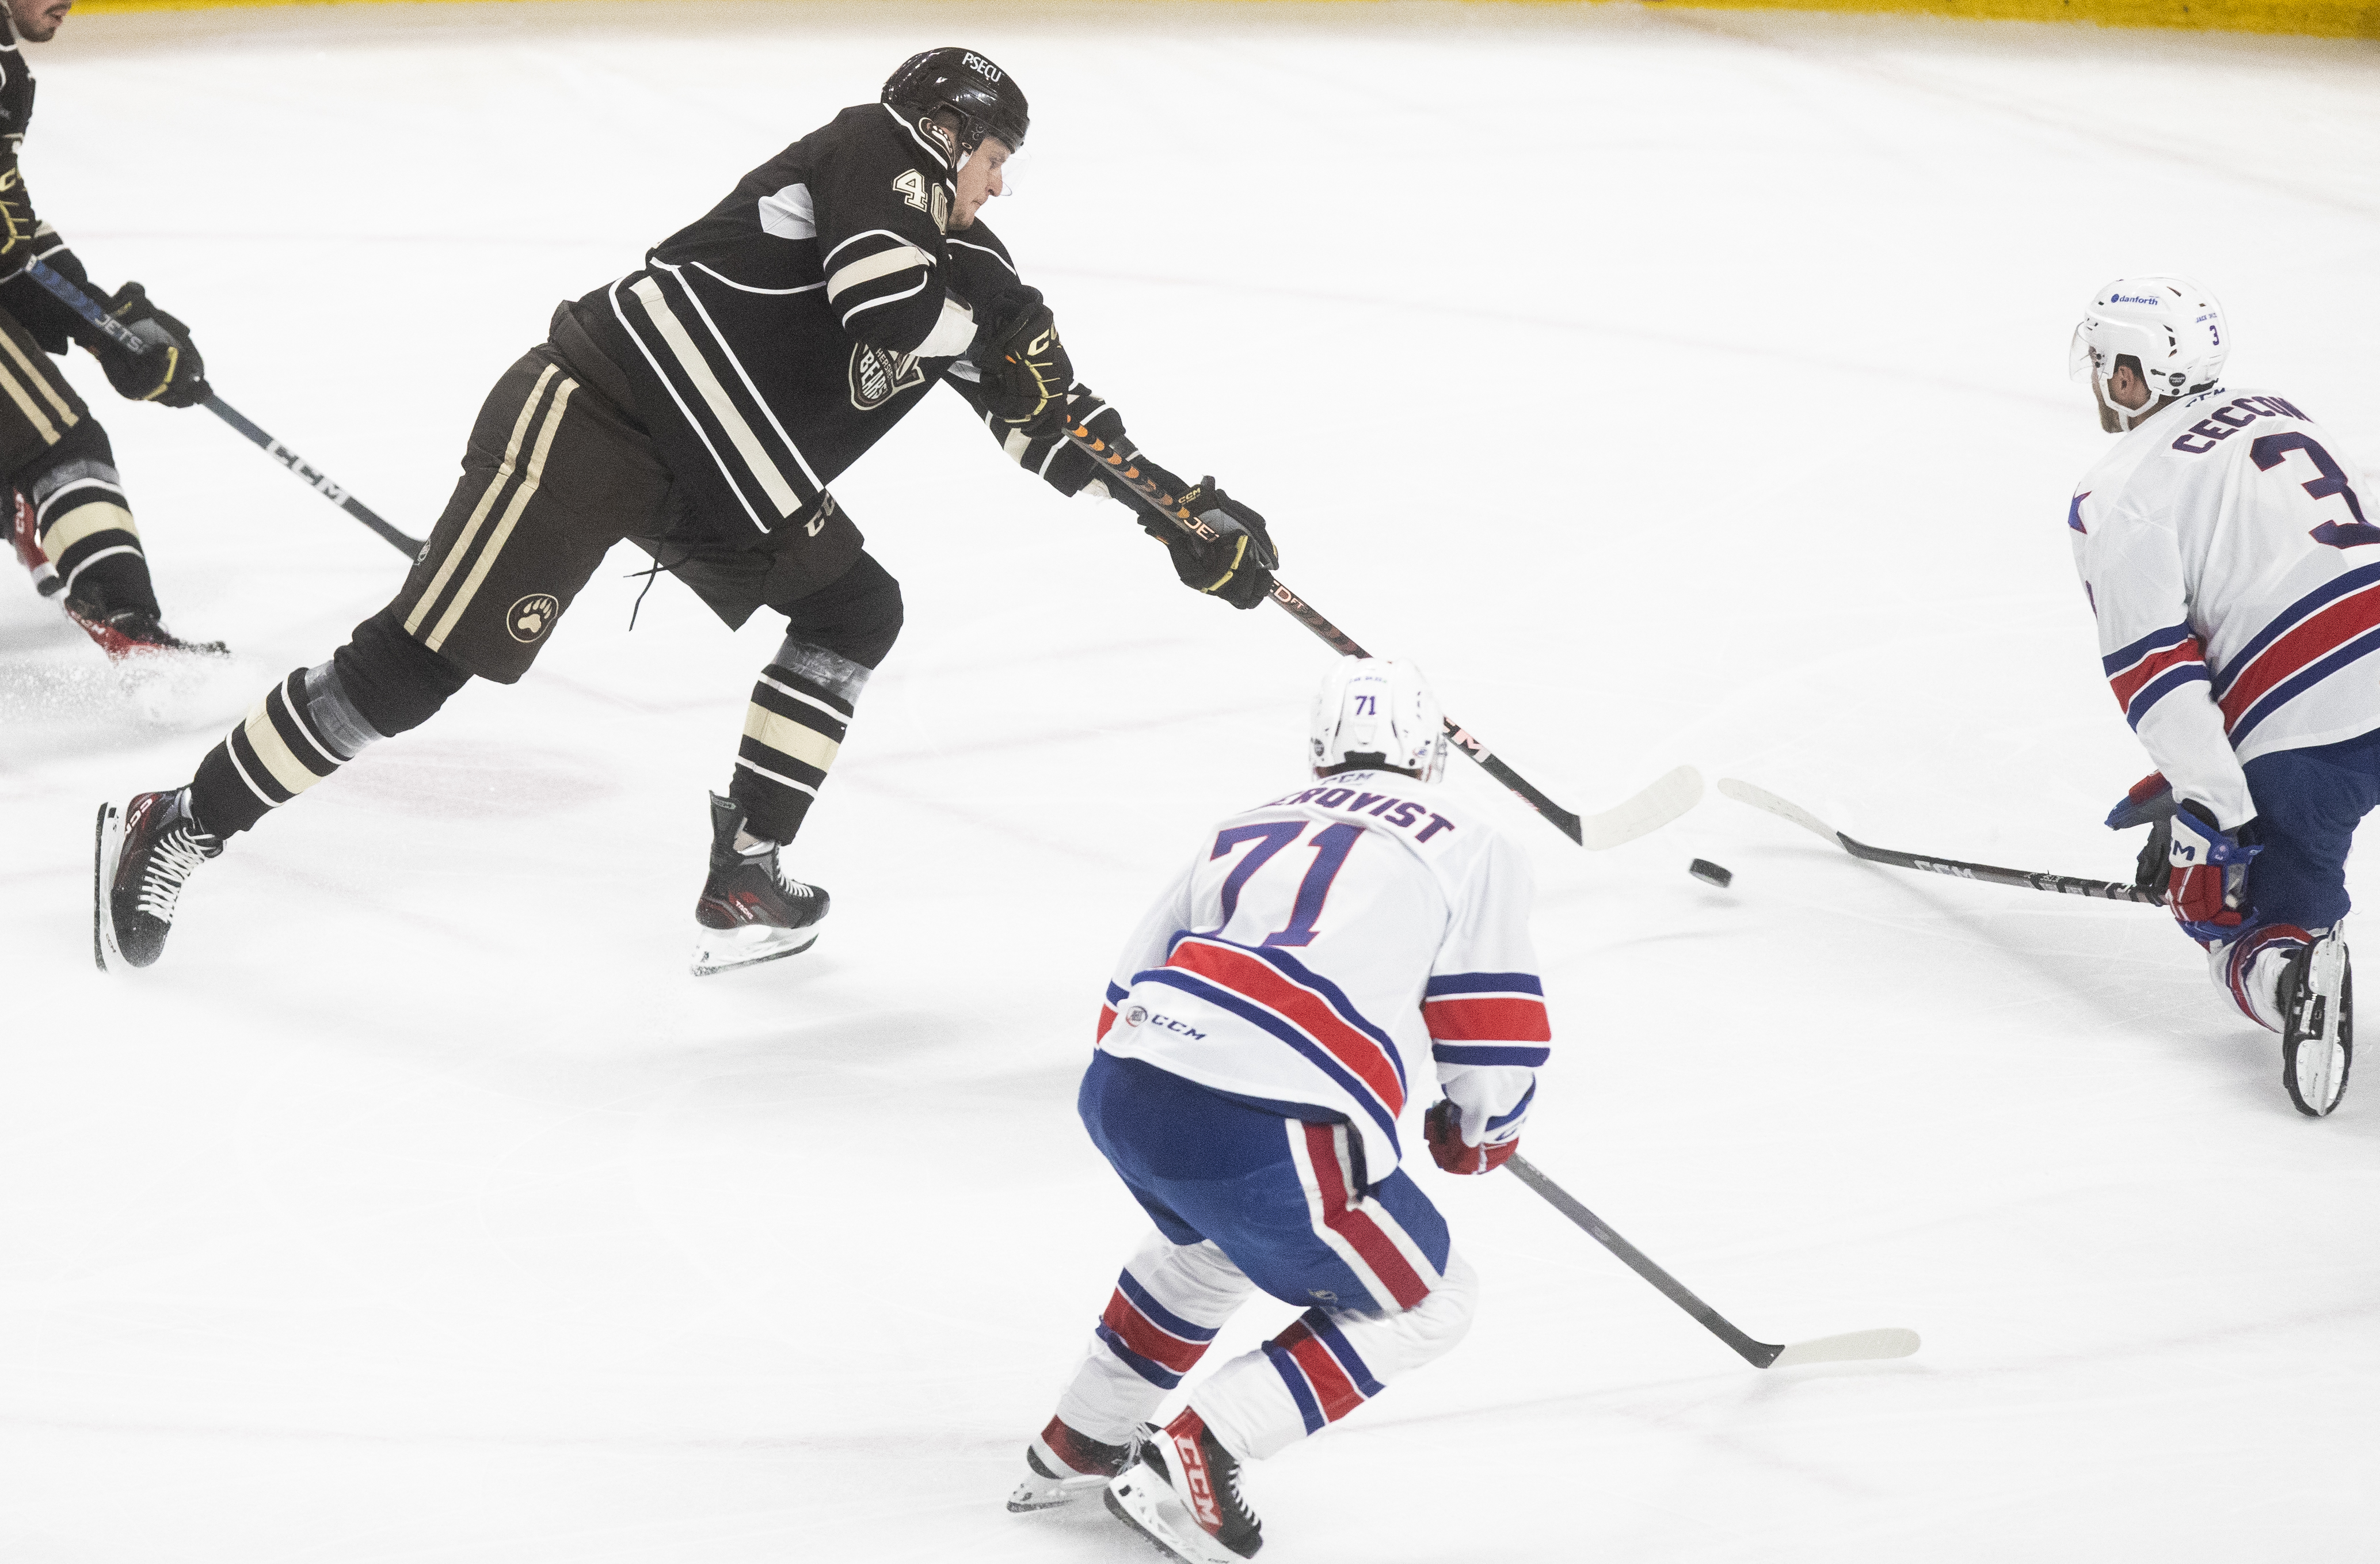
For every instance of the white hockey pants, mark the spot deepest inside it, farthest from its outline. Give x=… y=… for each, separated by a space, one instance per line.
x=1168 y=1306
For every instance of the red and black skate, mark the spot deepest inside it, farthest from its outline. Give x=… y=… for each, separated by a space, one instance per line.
x=134 y=632
x=1186 y=1461
x=751 y=910
x=1061 y=1466
x=146 y=853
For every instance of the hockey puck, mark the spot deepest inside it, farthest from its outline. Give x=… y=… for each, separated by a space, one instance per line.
x=1710 y=873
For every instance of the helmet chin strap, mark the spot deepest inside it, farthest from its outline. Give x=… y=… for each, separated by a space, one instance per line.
x=2127 y=418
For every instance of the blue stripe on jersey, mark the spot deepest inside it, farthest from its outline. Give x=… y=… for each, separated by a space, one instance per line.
x=1489 y=1053
x=1115 y=994
x=2281 y=623
x=2116 y=663
x=1298 y=971
x=1256 y=1016
x=2164 y=684
x=1483 y=982
x=2288 y=689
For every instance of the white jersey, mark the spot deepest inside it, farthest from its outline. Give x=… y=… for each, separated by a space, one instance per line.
x=1323 y=944
x=2218 y=544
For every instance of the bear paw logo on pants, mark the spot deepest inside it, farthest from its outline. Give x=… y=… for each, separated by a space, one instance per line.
x=531 y=617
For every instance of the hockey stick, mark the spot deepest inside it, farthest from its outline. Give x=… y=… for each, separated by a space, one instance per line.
x=1647 y=811
x=2064 y=885
x=1887 y=1342
x=116 y=331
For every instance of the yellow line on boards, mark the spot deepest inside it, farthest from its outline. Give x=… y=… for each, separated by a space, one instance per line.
x=2315 y=19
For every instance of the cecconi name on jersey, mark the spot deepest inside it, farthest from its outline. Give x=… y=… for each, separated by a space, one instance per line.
x=2222 y=542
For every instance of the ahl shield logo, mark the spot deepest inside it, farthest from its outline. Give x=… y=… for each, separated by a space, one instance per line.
x=532 y=616
x=878 y=376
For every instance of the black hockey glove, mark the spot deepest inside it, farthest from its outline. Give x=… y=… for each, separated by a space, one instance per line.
x=1236 y=562
x=18 y=223
x=170 y=370
x=1021 y=366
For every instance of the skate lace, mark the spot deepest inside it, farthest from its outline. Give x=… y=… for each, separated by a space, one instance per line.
x=787 y=882
x=170 y=863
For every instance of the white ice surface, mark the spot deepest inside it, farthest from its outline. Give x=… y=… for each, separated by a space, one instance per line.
x=1677 y=386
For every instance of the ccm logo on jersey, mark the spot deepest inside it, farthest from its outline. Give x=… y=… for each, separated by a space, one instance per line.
x=1140 y=1015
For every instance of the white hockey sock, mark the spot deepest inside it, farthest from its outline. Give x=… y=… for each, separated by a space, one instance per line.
x=1328 y=1363
x=1166 y=1307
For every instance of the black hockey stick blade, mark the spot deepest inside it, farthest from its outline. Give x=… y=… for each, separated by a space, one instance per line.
x=2023 y=880
x=1854 y=1346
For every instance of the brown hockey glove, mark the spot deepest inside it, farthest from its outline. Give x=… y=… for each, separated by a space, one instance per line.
x=169 y=372
x=1022 y=367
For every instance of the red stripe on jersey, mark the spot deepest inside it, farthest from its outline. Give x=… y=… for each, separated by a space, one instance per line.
x=2132 y=680
x=1361 y=1233
x=1107 y=1019
x=1148 y=1339
x=2310 y=642
x=1488 y=1018
x=1253 y=978
x=1333 y=1391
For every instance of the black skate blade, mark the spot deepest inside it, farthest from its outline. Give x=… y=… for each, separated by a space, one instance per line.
x=107 y=848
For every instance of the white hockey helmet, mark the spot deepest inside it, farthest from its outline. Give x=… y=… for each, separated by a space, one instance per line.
x=1373 y=708
x=2174 y=326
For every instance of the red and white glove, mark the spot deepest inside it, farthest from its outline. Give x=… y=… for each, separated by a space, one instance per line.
x=2207 y=884
x=1451 y=1149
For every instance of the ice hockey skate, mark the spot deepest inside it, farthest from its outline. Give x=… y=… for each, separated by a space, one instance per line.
x=2317 y=997
x=1210 y=1523
x=146 y=853
x=1061 y=1466
x=751 y=910
x=134 y=632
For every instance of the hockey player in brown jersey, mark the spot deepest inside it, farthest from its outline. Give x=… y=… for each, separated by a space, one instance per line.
x=69 y=521
x=700 y=407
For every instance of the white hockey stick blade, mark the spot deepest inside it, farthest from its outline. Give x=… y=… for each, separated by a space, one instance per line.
x=1858 y=1345
x=1646 y=813
x=1784 y=809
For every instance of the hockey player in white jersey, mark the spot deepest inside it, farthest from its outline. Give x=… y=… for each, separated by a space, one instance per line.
x=1255 y=1055
x=2220 y=545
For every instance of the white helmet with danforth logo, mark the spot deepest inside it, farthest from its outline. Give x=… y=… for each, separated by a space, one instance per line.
x=1372 y=710
x=2172 y=326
